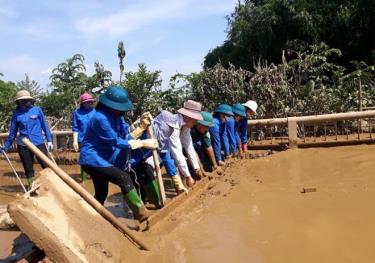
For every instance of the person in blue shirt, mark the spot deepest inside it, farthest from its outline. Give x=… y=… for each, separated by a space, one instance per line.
x=30 y=122
x=202 y=141
x=240 y=126
x=80 y=121
x=219 y=132
x=107 y=133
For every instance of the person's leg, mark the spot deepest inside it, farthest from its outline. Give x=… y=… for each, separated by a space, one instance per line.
x=43 y=149
x=27 y=159
x=100 y=182
x=149 y=182
x=123 y=180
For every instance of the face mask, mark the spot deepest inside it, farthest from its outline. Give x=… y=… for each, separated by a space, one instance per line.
x=88 y=106
x=26 y=104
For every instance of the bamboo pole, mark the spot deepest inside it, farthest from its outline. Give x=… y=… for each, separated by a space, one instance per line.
x=86 y=196
x=157 y=169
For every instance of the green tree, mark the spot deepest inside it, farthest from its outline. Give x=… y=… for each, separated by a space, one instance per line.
x=7 y=105
x=262 y=29
x=144 y=87
x=31 y=85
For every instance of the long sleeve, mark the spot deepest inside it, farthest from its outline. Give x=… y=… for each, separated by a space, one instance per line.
x=224 y=138
x=104 y=131
x=12 y=133
x=232 y=135
x=45 y=127
x=187 y=144
x=75 y=122
x=168 y=163
x=242 y=128
x=177 y=154
x=215 y=140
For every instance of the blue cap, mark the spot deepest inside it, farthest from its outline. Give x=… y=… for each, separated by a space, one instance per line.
x=239 y=109
x=224 y=108
x=117 y=98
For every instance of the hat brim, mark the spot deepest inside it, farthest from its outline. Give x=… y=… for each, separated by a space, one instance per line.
x=88 y=100
x=248 y=107
x=192 y=114
x=206 y=123
x=239 y=113
x=24 y=98
x=115 y=105
x=225 y=112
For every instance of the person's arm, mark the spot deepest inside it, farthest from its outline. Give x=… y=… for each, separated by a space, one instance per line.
x=243 y=133
x=211 y=155
x=224 y=139
x=12 y=133
x=187 y=144
x=45 y=127
x=232 y=136
x=104 y=131
x=75 y=131
x=168 y=163
x=176 y=150
x=215 y=140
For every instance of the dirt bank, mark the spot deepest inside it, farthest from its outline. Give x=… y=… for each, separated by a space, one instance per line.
x=258 y=213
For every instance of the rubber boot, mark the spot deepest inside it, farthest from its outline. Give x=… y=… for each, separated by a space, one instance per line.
x=83 y=176
x=136 y=205
x=153 y=193
x=29 y=182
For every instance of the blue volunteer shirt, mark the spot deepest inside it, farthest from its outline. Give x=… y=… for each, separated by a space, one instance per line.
x=31 y=124
x=219 y=137
x=241 y=130
x=80 y=121
x=231 y=123
x=105 y=133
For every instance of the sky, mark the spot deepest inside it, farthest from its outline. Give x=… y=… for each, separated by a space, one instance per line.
x=168 y=35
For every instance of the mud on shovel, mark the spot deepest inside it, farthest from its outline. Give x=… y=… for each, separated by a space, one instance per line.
x=14 y=170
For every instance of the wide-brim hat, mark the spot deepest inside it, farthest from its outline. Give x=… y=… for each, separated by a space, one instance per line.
x=192 y=109
x=207 y=119
x=252 y=105
x=23 y=95
x=239 y=109
x=224 y=108
x=117 y=98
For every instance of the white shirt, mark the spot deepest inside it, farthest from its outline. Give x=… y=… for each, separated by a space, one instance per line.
x=181 y=139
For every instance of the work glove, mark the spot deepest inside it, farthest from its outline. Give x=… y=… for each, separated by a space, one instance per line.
x=178 y=185
x=50 y=146
x=141 y=125
x=75 y=141
x=147 y=143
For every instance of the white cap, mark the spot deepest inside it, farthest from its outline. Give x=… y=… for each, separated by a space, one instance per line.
x=252 y=105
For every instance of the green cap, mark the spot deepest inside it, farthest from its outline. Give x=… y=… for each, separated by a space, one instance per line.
x=207 y=119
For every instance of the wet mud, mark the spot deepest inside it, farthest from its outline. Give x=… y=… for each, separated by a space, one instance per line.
x=259 y=213
x=310 y=205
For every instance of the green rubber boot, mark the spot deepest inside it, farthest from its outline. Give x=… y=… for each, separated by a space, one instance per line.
x=83 y=176
x=136 y=205
x=29 y=182
x=153 y=193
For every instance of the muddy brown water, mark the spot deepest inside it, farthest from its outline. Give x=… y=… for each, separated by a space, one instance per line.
x=257 y=213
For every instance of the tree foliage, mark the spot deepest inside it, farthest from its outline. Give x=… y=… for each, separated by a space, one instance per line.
x=262 y=29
